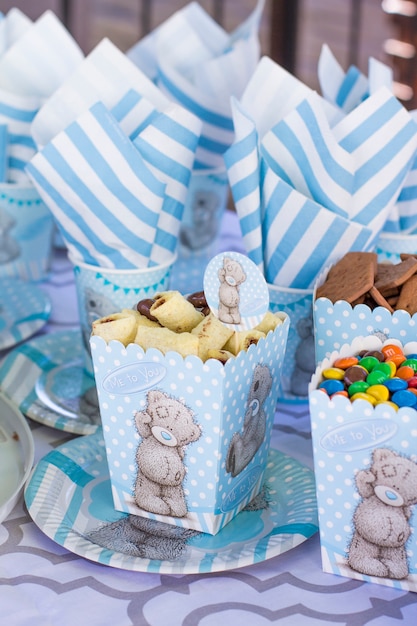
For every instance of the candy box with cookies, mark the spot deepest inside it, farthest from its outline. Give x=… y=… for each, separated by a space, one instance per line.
x=363 y=408
x=361 y=296
x=187 y=397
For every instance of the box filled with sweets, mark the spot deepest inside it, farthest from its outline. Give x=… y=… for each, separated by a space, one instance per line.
x=363 y=407
x=359 y=296
x=187 y=405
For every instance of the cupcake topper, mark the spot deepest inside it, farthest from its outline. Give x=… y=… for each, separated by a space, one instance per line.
x=236 y=291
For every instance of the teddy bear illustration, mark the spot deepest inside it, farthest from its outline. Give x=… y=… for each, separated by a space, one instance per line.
x=166 y=426
x=382 y=519
x=304 y=357
x=205 y=221
x=231 y=276
x=96 y=305
x=9 y=248
x=245 y=444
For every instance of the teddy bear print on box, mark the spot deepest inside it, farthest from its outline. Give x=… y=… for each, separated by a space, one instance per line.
x=166 y=427
x=245 y=444
x=382 y=519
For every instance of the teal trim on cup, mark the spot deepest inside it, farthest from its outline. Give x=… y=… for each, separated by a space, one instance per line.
x=390 y=245
x=26 y=233
x=102 y=291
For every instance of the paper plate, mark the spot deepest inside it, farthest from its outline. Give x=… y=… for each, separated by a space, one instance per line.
x=44 y=377
x=24 y=310
x=69 y=498
x=16 y=455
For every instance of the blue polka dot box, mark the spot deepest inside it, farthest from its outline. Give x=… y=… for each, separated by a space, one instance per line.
x=338 y=323
x=187 y=441
x=365 y=461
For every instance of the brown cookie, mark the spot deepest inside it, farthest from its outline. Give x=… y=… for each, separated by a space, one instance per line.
x=379 y=299
x=407 y=299
x=350 y=278
x=389 y=276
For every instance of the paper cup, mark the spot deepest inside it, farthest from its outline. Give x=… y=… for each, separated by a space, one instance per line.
x=360 y=453
x=299 y=358
x=187 y=441
x=26 y=232
x=390 y=245
x=206 y=201
x=102 y=291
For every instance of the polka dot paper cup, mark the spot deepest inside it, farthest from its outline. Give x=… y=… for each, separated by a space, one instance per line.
x=206 y=201
x=300 y=357
x=187 y=441
x=365 y=461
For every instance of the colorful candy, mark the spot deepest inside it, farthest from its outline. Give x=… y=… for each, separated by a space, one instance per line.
x=387 y=377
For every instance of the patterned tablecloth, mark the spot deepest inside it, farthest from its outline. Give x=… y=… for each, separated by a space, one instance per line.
x=43 y=583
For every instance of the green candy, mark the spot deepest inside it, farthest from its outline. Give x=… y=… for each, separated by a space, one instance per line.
x=376 y=377
x=369 y=362
x=411 y=363
x=385 y=368
x=360 y=386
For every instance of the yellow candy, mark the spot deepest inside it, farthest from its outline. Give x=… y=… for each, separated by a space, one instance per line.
x=334 y=373
x=363 y=396
x=379 y=392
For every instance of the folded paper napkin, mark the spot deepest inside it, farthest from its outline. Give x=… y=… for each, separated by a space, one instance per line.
x=200 y=66
x=35 y=58
x=348 y=90
x=309 y=181
x=118 y=202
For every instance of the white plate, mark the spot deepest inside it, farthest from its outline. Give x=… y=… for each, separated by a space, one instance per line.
x=44 y=377
x=69 y=498
x=16 y=455
x=24 y=310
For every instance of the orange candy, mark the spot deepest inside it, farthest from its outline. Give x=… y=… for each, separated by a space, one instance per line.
x=405 y=372
x=393 y=353
x=344 y=363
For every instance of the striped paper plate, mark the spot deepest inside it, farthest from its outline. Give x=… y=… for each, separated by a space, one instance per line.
x=69 y=498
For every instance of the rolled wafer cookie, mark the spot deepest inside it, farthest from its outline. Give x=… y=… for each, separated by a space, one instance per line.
x=174 y=311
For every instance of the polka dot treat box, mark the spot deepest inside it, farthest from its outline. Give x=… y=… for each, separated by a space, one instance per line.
x=186 y=440
x=338 y=323
x=365 y=461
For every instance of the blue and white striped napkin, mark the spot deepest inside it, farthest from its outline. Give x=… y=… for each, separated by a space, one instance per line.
x=348 y=90
x=200 y=66
x=105 y=75
x=118 y=203
x=309 y=188
x=35 y=58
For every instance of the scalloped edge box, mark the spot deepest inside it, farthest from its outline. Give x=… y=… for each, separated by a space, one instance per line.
x=345 y=437
x=221 y=476
x=338 y=323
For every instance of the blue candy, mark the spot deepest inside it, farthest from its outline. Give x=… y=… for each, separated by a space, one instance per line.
x=395 y=384
x=331 y=386
x=404 y=398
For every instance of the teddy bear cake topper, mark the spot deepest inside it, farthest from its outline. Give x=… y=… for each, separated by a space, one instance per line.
x=236 y=291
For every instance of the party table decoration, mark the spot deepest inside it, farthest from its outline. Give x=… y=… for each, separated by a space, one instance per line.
x=311 y=182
